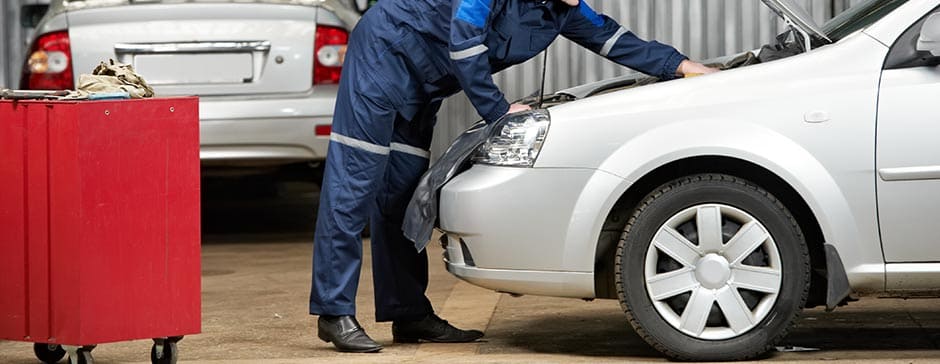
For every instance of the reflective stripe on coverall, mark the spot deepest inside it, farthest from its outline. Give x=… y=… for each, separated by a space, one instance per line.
x=404 y=58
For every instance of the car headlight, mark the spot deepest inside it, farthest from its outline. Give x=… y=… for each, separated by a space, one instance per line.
x=516 y=140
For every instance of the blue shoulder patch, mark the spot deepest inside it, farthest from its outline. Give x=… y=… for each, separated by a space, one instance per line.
x=590 y=14
x=474 y=12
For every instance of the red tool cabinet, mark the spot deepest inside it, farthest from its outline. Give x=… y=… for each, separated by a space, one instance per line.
x=99 y=224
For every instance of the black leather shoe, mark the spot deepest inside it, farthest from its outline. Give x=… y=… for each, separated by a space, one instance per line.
x=433 y=329
x=346 y=334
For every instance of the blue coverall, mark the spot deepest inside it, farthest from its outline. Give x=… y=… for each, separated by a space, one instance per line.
x=404 y=58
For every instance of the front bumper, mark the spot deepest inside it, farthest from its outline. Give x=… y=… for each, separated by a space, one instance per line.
x=526 y=230
x=515 y=281
x=264 y=131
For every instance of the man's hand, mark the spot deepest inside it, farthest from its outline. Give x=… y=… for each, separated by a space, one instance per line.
x=690 y=68
x=571 y=2
x=514 y=108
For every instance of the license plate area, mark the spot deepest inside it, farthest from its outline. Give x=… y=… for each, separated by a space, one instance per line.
x=195 y=69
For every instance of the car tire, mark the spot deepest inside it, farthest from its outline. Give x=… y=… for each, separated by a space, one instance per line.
x=731 y=295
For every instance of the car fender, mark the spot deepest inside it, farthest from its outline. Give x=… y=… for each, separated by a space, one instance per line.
x=766 y=148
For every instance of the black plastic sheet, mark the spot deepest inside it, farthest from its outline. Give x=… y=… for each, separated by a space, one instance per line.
x=421 y=215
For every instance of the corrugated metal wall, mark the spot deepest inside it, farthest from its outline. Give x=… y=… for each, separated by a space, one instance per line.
x=13 y=38
x=12 y=42
x=701 y=29
x=5 y=48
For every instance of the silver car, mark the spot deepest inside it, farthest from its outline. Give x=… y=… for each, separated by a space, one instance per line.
x=266 y=71
x=716 y=208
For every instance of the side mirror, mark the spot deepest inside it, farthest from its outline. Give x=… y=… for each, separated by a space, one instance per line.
x=929 y=40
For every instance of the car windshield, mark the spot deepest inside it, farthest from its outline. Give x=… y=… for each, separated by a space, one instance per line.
x=858 y=17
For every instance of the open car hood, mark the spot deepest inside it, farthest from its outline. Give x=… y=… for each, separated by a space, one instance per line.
x=797 y=17
x=794 y=15
x=633 y=79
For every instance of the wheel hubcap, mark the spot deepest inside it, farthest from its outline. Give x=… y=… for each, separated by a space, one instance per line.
x=713 y=272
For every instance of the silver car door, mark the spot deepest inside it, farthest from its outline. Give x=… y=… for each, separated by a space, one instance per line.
x=908 y=148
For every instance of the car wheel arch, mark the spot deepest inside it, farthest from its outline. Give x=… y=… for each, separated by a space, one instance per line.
x=605 y=248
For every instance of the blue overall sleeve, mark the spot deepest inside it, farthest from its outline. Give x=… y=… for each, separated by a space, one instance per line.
x=602 y=35
x=468 y=52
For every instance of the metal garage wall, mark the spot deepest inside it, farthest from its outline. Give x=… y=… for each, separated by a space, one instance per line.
x=5 y=19
x=12 y=43
x=700 y=29
x=13 y=40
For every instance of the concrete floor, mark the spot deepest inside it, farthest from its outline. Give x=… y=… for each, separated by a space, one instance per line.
x=256 y=276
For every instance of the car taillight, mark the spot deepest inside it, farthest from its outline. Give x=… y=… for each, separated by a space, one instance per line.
x=49 y=65
x=329 y=50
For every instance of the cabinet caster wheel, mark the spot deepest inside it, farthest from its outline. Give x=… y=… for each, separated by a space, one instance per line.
x=48 y=353
x=164 y=351
x=84 y=357
x=80 y=355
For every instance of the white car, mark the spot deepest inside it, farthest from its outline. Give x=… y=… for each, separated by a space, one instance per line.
x=716 y=208
x=266 y=71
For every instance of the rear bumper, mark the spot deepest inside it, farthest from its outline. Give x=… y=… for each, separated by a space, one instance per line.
x=262 y=141
x=272 y=131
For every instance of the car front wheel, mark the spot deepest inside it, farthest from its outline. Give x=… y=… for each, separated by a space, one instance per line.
x=712 y=267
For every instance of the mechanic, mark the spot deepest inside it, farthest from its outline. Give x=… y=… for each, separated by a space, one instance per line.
x=404 y=58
